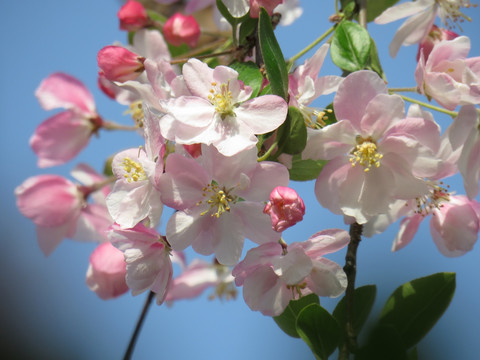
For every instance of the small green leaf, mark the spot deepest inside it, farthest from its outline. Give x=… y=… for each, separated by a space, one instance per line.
x=373 y=62
x=156 y=16
x=350 y=46
x=275 y=65
x=225 y=13
x=107 y=167
x=247 y=28
x=305 y=170
x=287 y=320
x=250 y=74
x=415 y=307
x=319 y=330
x=293 y=133
x=364 y=298
x=374 y=8
x=384 y=342
x=413 y=354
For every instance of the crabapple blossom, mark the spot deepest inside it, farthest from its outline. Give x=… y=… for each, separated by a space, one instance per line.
x=435 y=36
x=448 y=76
x=272 y=274
x=133 y=16
x=61 y=137
x=376 y=154
x=304 y=86
x=119 y=64
x=285 y=208
x=147 y=255
x=59 y=209
x=422 y=14
x=135 y=195
x=224 y=115
x=464 y=135
x=106 y=272
x=180 y=29
x=199 y=276
x=219 y=201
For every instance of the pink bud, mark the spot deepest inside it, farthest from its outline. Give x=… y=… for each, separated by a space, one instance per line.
x=195 y=150
x=106 y=85
x=133 y=16
x=285 y=208
x=269 y=5
x=181 y=29
x=106 y=272
x=435 y=35
x=119 y=64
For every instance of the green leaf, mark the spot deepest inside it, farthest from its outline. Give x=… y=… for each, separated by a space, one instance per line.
x=350 y=47
x=384 y=343
x=107 y=167
x=247 y=28
x=364 y=299
x=250 y=74
x=287 y=320
x=225 y=13
x=374 y=8
x=413 y=354
x=319 y=330
x=415 y=307
x=305 y=170
x=292 y=134
x=273 y=59
x=373 y=62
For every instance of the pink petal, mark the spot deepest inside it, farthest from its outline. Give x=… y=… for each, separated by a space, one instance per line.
x=408 y=228
x=327 y=278
x=262 y=114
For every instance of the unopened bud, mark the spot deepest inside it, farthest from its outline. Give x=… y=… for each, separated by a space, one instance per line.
x=181 y=29
x=268 y=5
x=435 y=36
x=133 y=16
x=285 y=208
x=119 y=64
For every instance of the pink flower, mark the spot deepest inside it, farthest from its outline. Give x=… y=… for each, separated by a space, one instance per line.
x=272 y=274
x=454 y=225
x=421 y=15
x=435 y=36
x=198 y=277
x=219 y=201
x=106 y=272
x=133 y=16
x=376 y=154
x=448 y=76
x=285 y=208
x=59 y=209
x=224 y=116
x=179 y=29
x=464 y=135
x=61 y=137
x=119 y=64
x=147 y=255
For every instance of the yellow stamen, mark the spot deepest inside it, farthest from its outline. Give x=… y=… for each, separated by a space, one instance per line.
x=221 y=98
x=218 y=200
x=133 y=170
x=136 y=111
x=366 y=154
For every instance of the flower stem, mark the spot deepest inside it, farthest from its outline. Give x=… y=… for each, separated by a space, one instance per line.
x=294 y=58
x=350 y=269
x=362 y=13
x=268 y=152
x=409 y=89
x=136 y=332
x=206 y=56
x=453 y=114
x=110 y=125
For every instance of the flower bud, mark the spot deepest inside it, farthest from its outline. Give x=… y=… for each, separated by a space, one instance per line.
x=106 y=272
x=285 y=208
x=195 y=150
x=133 y=16
x=181 y=29
x=435 y=35
x=119 y=64
x=269 y=5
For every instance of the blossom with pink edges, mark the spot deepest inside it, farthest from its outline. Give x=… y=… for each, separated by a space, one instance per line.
x=448 y=76
x=148 y=259
x=106 y=272
x=377 y=155
x=224 y=115
x=220 y=201
x=272 y=274
x=59 y=209
x=61 y=137
x=435 y=36
x=285 y=208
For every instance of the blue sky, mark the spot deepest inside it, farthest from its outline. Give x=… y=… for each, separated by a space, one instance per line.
x=48 y=312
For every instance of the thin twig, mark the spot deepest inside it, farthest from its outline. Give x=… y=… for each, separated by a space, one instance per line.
x=138 y=327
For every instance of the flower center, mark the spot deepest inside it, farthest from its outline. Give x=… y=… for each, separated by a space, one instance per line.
x=221 y=97
x=450 y=11
x=365 y=154
x=136 y=112
x=314 y=117
x=133 y=170
x=433 y=200
x=218 y=199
